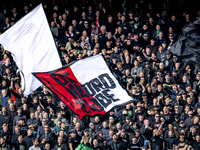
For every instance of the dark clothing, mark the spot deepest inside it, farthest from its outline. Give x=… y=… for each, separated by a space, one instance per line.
x=115 y=145
x=132 y=146
x=75 y=141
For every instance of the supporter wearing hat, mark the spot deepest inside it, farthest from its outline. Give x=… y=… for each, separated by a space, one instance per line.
x=145 y=39
x=148 y=72
x=176 y=122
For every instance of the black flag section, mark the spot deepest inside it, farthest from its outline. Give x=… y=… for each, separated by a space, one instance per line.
x=188 y=45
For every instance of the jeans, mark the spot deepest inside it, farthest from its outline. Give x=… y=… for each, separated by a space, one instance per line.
x=146 y=143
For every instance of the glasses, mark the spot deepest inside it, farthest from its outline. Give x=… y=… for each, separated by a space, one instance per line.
x=157 y=116
x=85 y=23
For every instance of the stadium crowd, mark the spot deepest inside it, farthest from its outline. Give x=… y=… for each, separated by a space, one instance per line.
x=134 y=37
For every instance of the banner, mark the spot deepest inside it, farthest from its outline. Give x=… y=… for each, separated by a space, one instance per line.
x=87 y=86
x=31 y=42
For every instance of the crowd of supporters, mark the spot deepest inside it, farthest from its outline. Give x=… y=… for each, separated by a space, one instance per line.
x=134 y=37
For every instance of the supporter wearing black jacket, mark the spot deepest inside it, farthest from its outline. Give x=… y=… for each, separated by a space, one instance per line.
x=4 y=144
x=115 y=144
x=48 y=135
x=196 y=144
x=60 y=145
x=5 y=117
x=28 y=139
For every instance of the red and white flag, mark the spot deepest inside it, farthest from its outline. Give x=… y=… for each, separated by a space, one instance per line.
x=87 y=87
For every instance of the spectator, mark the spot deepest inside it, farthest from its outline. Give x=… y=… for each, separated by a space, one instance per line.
x=35 y=145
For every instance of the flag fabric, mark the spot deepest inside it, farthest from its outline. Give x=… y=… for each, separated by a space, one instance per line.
x=31 y=42
x=87 y=87
x=188 y=45
x=83 y=147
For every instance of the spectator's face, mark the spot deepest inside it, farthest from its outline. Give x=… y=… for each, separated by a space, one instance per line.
x=123 y=18
x=63 y=23
x=52 y=24
x=105 y=125
x=173 y=18
x=97 y=13
x=86 y=25
x=36 y=143
x=5 y=128
x=159 y=88
x=115 y=137
x=160 y=34
x=146 y=122
x=61 y=133
x=182 y=137
x=145 y=27
x=78 y=125
x=32 y=115
x=86 y=133
x=83 y=14
x=161 y=66
x=59 y=123
x=127 y=72
x=168 y=55
x=198 y=138
x=141 y=117
x=170 y=29
x=116 y=50
x=139 y=58
x=109 y=35
x=111 y=119
x=14 y=10
x=29 y=132
x=134 y=140
x=55 y=15
x=187 y=17
x=46 y=128
x=4 y=110
x=86 y=140
x=185 y=78
x=119 y=126
x=198 y=77
x=47 y=147
x=167 y=77
x=59 y=115
x=60 y=140
x=95 y=143
x=148 y=50
x=74 y=22
x=136 y=19
x=110 y=19
x=19 y=111
x=2 y=140
x=70 y=28
x=20 y=139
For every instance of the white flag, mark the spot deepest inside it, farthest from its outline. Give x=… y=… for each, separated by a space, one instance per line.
x=31 y=42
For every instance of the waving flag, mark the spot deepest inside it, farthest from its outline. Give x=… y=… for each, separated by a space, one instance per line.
x=31 y=42
x=188 y=45
x=87 y=86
